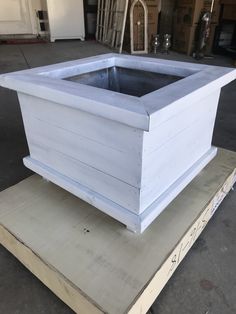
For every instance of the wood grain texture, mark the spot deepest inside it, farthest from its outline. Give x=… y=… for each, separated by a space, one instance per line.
x=119 y=192
x=91 y=261
x=135 y=222
x=173 y=158
x=101 y=144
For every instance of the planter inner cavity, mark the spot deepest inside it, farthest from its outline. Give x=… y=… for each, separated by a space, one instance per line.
x=126 y=81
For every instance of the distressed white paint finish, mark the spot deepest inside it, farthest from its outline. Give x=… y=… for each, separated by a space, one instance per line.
x=128 y=156
x=172 y=147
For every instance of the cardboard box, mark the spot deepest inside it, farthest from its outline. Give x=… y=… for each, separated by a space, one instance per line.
x=227 y=2
x=152 y=2
x=183 y=38
x=229 y=12
x=186 y=2
x=152 y=21
x=188 y=12
x=210 y=40
x=216 y=10
x=184 y=15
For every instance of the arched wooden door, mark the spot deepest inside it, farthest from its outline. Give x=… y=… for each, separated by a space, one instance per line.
x=138 y=27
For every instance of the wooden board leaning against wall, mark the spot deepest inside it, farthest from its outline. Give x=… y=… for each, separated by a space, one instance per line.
x=111 y=18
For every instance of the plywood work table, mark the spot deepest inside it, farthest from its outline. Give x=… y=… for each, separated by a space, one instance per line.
x=92 y=262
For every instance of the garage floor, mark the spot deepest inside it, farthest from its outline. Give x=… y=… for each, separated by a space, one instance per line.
x=205 y=281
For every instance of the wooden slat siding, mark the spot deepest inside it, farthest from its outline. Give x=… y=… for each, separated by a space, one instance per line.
x=135 y=201
x=170 y=128
x=124 y=109
x=121 y=165
x=206 y=118
x=108 y=207
x=107 y=132
x=187 y=123
x=183 y=142
x=175 y=156
x=180 y=154
x=161 y=203
x=119 y=192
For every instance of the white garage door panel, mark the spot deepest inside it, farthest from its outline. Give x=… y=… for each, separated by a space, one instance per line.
x=10 y=10
x=15 y=17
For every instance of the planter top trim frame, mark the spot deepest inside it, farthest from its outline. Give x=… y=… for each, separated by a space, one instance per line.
x=144 y=112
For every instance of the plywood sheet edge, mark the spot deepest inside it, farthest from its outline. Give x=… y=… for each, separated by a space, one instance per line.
x=49 y=276
x=81 y=303
x=153 y=288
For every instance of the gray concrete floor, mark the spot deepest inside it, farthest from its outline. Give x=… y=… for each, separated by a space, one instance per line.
x=204 y=283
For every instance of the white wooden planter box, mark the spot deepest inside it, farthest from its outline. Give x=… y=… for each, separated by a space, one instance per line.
x=126 y=134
